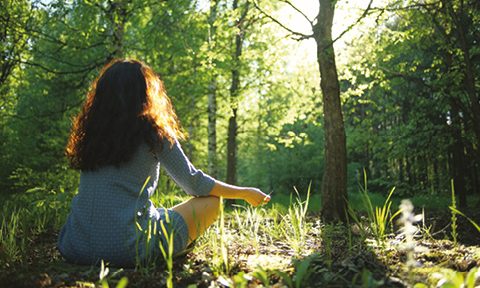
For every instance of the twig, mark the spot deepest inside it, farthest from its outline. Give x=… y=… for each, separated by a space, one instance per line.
x=364 y=14
x=301 y=36
x=298 y=10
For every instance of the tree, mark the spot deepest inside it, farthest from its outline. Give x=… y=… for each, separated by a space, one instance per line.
x=212 y=94
x=334 y=184
x=241 y=26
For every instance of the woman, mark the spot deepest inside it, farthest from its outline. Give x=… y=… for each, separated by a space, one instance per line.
x=125 y=132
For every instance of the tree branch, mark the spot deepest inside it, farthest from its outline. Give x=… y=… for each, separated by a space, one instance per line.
x=408 y=7
x=301 y=36
x=364 y=14
x=298 y=10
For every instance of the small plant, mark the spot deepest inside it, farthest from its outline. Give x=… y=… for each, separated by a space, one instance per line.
x=217 y=241
x=453 y=207
x=223 y=245
x=296 y=228
x=379 y=218
x=455 y=211
x=168 y=253
x=301 y=274
x=454 y=279
x=12 y=245
x=104 y=271
x=139 y=262
x=408 y=231
x=262 y=275
x=248 y=224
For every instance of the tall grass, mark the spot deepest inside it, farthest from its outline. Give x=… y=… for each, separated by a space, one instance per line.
x=453 y=219
x=295 y=226
x=454 y=211
x=12 y=240
x=168 y=253
x=379 y=217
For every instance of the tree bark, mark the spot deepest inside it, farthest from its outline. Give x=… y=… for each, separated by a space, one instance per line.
x=458 y=158
x=234 y=91
x=118 y=17
x=212 y=97
x=334 y=184
x=469 y=71
x=212 y=127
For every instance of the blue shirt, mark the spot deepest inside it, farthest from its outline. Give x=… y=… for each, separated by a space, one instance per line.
x=102 y=222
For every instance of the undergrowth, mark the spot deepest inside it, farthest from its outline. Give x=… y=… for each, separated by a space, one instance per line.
x=277 y=244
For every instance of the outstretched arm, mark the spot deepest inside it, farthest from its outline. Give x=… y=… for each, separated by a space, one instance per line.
x=252 y=195
x=196 y=183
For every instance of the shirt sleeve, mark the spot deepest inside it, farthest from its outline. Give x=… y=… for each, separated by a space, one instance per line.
x=193 y=181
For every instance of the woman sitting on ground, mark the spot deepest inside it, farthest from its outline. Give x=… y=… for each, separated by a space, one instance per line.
x=125 y=132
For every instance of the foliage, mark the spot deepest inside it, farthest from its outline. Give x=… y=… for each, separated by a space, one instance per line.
x=379 y=218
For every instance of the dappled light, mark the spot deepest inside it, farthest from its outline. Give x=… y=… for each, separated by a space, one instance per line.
x=240 y=143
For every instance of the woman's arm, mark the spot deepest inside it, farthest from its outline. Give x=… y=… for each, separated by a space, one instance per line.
x=252 y=195
x=196 y=183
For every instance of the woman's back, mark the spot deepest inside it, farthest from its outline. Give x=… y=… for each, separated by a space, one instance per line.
x=101 y=224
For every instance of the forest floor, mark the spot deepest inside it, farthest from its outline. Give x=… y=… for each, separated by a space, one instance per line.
x=309 y=255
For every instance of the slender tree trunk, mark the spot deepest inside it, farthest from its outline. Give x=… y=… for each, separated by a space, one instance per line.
x=334 y=183
x=458 y=159
x=212 y=97
x=400 y=170
x=212 y=127
x=232 y=148
x=234 y=91
x=118 y=17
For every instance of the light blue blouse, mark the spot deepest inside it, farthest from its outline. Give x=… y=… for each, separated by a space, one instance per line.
x=101 y=224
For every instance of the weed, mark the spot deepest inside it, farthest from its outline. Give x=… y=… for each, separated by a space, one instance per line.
x=301 y=274
x=453 y=279
x=223 y=244
x=262 y=275
x=408 y=231
x=167 y=254
x=456 y=211
x=122 y=283
x=454 y=216
x=13 y=246
x=379 y=218
x=248 y=225
x=295 y=227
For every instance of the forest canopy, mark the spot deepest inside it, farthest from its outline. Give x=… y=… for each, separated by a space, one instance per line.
x=408 y=74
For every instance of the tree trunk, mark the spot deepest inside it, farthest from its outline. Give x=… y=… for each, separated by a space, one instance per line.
x=212 y=98
x=232 y=148
x=118 y=17
x=234 y=91
x=469 y=75
x=458 y=158
x=334 y=184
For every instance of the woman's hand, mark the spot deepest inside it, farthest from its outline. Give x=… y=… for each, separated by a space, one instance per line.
x=255 y=197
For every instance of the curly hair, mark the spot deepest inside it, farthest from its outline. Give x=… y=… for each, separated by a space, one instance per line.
x=126 y=105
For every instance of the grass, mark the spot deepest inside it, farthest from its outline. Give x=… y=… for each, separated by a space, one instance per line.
x=283 y=243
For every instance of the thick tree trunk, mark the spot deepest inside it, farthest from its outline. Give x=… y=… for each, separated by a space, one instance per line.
x=469 y=78
x=334 y=184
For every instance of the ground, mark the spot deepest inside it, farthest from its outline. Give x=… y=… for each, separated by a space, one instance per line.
x=314 y=255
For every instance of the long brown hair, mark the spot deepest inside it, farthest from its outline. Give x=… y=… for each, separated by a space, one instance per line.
x=126 y=104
